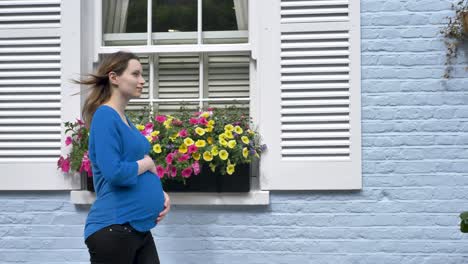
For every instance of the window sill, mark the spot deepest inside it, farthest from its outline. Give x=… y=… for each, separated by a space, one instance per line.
x=254 y=197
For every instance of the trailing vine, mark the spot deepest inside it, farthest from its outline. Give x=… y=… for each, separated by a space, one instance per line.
x=455 y=33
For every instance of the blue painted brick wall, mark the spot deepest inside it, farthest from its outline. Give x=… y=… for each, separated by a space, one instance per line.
x=414 y=171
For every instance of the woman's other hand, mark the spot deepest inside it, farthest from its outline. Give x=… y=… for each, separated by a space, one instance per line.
x=167 y=207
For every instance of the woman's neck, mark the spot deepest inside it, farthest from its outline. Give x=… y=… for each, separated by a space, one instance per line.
x=118 y=103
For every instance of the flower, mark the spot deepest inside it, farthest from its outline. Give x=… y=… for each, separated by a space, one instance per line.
x=223 y=154
x=245 y=139
x=68 y=141
x=187 y=172
x=232 y=144
x=160 y=118
x=238 y=130
x=196 y=168
x=183 y=133
x=183 y=148
x=230 y=169
x=157 y=148
x=200 y=131
x=245 y=152
x=207 y=156
x=200 y=143
x=188 y=141
x=169 y=158
x=192 y=149
x=229 y=127
x=77 y=160
x=160 y=171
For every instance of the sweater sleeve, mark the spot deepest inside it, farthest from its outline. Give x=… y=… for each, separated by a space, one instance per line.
x=108 y=149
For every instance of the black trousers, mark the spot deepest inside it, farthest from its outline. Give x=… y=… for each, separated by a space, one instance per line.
x=121 y=244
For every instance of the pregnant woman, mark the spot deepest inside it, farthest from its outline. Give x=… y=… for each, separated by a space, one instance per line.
x=129 y=196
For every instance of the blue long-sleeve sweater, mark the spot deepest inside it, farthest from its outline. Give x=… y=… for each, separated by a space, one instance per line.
x=121 y=194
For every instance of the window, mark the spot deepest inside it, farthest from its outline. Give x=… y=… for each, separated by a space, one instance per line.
x=195 y=53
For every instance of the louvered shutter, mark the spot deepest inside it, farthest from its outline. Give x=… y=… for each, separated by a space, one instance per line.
x=39 y=53
x=309 y=79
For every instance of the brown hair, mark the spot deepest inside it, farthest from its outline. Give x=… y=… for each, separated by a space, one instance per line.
x=101 y=88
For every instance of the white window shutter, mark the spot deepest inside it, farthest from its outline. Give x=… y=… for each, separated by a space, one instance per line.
x=309 y=88
x=39 y=54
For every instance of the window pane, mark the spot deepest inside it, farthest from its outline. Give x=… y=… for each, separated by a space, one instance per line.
x=171 y=108
x=173 y=19
x=225 y=21
x=124 y=24
x=177 y=76
x=228 y=75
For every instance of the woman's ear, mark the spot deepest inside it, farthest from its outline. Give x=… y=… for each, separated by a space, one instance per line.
x=113 y=78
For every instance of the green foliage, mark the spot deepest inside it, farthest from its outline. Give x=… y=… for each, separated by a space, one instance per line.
x=464 y=222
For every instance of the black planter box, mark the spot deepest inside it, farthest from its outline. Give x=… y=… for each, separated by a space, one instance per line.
x=207 y=181
x=86 y=182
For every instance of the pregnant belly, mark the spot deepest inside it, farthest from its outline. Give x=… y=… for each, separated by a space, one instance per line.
x=150 y=193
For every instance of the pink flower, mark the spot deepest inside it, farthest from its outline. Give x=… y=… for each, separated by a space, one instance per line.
x=187 y=172
x=196 y=167
x=196 y=113
x=64 y=164
x=202 y=121
x=68 y=141
x=148 y=129
x=191 y=149
x=183 y=133
x=86 y=164
x=177 y=122
x=193 y=121
x=160 y=171
x=183 y=158
x=169 y=158
x=80 y=122
x=154 y=138
x=210 y=109
x=172 y=170
x=160 y=118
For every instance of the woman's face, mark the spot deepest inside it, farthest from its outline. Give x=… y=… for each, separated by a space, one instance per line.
x=130 y=82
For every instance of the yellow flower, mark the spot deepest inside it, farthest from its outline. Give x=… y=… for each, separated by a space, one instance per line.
x=214 y=151
x=223 y=154
x=207 y=156
x=168 y=123
x=200 y=131
x=223 y=142
x=188 y=141
x=212 y=167
x=174 y=136
x=230 y=169
x=183 y=149
x=238 y=130
x=149 y=138
x=210 y=140
x=157 y=148
x=232 y=143
x=245 y=139
x=211 y=123
x=205 y=114
x=228 y=134
x=229 y=127
x=155 y=133
x=140 y=127
x=250 y=132
x=196 y=156
x=222 y=136
x=209 y=129
x=245 y=152
x=200 y=143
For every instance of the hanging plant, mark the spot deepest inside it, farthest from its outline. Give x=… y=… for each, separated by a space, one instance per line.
x=455 y=33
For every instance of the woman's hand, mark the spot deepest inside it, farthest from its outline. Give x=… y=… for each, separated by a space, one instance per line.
x=167 y=207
